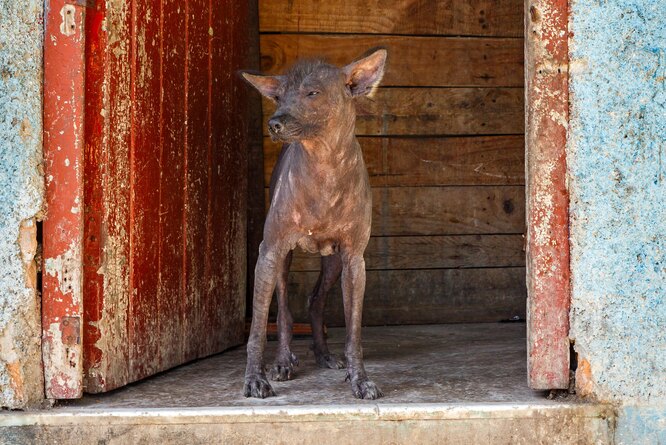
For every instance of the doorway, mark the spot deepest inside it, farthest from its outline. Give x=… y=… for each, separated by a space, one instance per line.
x=173 y=208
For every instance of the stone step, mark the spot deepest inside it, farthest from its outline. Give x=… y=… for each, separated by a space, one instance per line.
x=366 y=424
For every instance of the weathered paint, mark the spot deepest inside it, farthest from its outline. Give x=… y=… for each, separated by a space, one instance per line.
x=617 y=156
x=165 y=186
x=106 y=228
x=21 y=188
x=547 y=196
x=63 y=225
x=617 y=170
x=641 y=424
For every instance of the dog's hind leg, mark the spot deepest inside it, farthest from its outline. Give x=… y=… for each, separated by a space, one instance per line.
x=285 y=360
x=353 y=289
x=331 y=268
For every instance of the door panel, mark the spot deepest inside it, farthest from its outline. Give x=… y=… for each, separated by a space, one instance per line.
x=165 y=188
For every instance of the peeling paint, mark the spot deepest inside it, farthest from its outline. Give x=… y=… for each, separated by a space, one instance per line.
x=63 y=228
x=59 y=351
x=66 y=269
x=547 y=196
x=68 y=25
x=106 y=341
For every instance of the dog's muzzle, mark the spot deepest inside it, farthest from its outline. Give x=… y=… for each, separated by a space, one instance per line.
x=283 y=128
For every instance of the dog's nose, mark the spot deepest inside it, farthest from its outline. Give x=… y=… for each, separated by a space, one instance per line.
x=275 y=125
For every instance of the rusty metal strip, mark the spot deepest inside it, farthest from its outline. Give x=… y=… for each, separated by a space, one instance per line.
x=63 y=226
x=548 y=271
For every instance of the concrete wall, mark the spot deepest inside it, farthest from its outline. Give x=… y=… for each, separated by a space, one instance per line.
x=617 y=168
x=21 y=189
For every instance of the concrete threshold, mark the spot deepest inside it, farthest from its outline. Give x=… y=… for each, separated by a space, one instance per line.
x=496 y=423
x=443 y=384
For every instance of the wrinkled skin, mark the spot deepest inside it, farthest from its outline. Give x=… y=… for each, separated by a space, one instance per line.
x=320 y=202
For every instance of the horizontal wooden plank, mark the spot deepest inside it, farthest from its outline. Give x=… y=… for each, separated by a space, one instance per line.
x=436 y=111
x=433 y=17
x=431 y=252
x=422 y=296
x=446 y=210
x=413 y=61
x=481 y=160
x=473 y=160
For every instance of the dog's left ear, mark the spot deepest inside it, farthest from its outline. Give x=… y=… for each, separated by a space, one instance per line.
x=364 y=75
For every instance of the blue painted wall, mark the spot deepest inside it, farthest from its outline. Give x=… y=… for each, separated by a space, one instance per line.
x=617 y=167
x=21 y=187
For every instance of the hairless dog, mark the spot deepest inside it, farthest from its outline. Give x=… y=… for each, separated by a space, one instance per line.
x=321 y=202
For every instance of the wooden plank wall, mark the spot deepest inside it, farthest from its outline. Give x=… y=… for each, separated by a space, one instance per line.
x=443 y=139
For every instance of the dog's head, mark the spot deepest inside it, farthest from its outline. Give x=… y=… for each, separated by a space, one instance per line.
x=314 y=97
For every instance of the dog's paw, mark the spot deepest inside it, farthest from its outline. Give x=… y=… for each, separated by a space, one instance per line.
x=366 y=389
x=283 y=368
x=257 y=386
x=329 y=361
x=281 y=373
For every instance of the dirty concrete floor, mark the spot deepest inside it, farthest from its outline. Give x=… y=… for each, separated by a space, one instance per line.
x=458 y=363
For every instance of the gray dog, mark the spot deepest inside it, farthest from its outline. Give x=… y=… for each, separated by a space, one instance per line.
x=320 y=201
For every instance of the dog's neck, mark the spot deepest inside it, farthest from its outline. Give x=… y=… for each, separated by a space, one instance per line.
x=334 y=144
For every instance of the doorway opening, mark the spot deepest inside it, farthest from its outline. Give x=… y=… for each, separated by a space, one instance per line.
x=176 y=164
x=444 y=143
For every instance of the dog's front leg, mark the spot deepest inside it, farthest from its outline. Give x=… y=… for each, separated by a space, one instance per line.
x=265 y=276
x=353 y=291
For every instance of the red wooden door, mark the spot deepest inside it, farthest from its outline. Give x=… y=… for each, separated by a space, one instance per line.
x=164 y=193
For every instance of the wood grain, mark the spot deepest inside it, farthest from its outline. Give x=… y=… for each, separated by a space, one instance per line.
x=448 y=210
x=413 y=162
x=169 y=187
x=478 y=160
x=443 y=144
x=197 y=139
x=422 y=296
x=432 y=17
x=145 y=354
x=431 y=252
x=436 y=111
x=413 y=61
x=451 y=210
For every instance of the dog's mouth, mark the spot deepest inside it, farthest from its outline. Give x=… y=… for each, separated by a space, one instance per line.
x=286 y=135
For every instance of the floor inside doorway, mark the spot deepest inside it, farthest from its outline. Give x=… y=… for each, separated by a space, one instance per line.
x=457 y=363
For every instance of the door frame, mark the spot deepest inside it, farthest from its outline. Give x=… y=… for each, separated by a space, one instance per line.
x=547 y=246
x=547 y=197
x=62 y=277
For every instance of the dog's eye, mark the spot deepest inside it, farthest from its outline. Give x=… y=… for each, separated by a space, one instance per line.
x=313 y=93
x=276 y=98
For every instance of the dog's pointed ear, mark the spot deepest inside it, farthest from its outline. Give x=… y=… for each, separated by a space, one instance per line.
x=267 y=85
x=364 y=75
